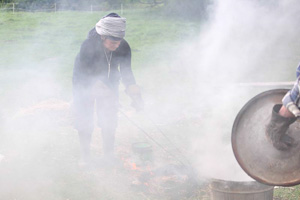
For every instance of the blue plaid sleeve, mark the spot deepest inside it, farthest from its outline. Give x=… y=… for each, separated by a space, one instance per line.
x=292 y=96
x=298 y=71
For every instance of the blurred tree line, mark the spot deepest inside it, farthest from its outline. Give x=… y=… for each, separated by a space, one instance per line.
x=180 y=8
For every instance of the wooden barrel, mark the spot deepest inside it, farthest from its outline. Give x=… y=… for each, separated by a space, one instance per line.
x=232 y=190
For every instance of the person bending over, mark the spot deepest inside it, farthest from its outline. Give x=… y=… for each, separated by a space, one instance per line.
x=104 y=59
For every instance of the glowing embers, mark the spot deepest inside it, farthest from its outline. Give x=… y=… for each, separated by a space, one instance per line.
x=165 y=181
x=152 y=175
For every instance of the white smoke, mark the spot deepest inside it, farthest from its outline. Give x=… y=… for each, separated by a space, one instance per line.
x=244 y=41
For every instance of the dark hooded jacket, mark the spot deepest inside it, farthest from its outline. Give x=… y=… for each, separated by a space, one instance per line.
x=91 y=65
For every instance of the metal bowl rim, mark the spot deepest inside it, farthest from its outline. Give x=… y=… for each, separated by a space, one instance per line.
x=233 y=142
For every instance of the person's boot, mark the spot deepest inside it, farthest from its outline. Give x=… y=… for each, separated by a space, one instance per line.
x=277 y=128
x=108 y=136
x=85 y=143
x=109 y=159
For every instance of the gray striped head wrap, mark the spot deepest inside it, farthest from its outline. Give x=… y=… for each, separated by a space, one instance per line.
x=112 y=26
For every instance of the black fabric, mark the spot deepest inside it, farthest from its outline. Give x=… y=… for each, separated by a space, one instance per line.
x=113 y=38
x=112 y=15
x=85 y=142
x=91 y=66
x=108 y=135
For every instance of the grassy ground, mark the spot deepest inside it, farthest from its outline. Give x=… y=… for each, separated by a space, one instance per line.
x=49 y=42
x=37 y=139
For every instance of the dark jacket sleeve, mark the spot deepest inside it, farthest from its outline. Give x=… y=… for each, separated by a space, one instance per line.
x=82 y=80
x=125 y=65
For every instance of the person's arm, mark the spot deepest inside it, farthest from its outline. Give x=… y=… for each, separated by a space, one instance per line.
x=290 y=101
x=82 y=69
x=132 y=89
x=125 y=65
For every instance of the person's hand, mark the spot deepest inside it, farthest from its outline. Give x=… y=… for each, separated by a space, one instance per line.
x=133 y=90
x=137 y=103
x=295 y=110
x=135 y=93
x=297 y=113
x=101 y=90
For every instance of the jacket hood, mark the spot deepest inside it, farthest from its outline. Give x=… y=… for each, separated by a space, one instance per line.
x=93 y=34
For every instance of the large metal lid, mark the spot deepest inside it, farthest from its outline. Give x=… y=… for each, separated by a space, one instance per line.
x=257 y=157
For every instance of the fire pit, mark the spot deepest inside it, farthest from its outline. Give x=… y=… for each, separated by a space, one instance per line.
x=234 y=190
x=171 y=180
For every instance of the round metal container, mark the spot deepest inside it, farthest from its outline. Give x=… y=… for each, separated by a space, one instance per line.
x=232 y=190
x=257 y=157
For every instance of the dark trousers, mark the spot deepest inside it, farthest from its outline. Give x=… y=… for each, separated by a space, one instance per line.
x=106 y=109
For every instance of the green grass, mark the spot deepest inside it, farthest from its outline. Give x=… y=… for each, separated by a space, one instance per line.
x=287 y=193
x=41 y=147
x=50 y=41
x=60 y=34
